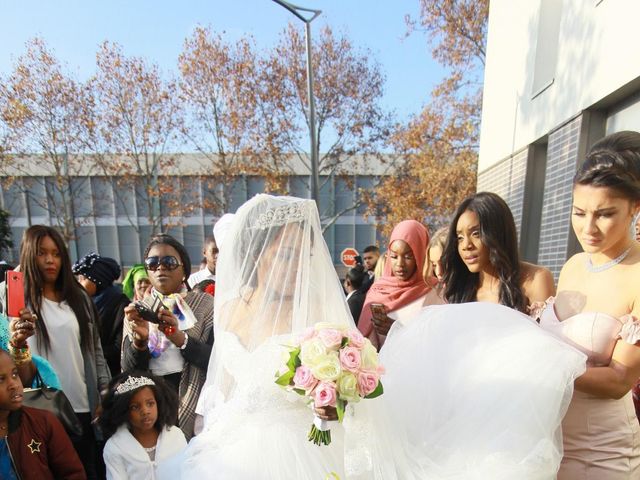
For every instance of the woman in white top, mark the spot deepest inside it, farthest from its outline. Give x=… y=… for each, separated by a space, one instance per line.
x=66 y=332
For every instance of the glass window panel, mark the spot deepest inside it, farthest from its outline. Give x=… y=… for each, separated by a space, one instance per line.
x=344 y=238
x=255 y=185
x=299 y=186
x=190 y=191
x=365 y=236
x=142 y=201
x=125 y=197
x=193 y=236
x=14 y=199
x=54 y=197
x=366 y=183
x=81 y=197
x=102 y=196
x=130 y=248
x=86 y=241
x=326 y=202
x=107 y=238
x=238 y=193
x=344 y=194
x=144 y=231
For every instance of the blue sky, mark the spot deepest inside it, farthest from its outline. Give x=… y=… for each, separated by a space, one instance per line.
x=156 y=30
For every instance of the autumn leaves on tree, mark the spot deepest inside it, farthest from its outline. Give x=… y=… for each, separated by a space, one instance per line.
x=439 y=146
x=244 y=111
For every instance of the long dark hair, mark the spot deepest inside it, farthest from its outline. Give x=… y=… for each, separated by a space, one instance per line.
x=115 y=406
x=165 y=239
x=613 y=162
x=498 y=234
x=66 y=284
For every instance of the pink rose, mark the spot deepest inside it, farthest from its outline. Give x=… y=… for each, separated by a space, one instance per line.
x=367 y=382
x=355 y=338
x=350 y=359
x=325 y=395
x=330 y=337
x=304 y=379
x=307 y=334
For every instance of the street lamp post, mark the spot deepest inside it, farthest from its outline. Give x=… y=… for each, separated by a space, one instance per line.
x=298 y=12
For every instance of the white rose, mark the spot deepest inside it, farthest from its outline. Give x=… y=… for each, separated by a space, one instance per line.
x=369 y=357
x=348 y=387
x=324 y=325
x=311 y=352
x=327 y=368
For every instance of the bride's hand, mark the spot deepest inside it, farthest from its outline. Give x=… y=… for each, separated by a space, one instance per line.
x=329 y=414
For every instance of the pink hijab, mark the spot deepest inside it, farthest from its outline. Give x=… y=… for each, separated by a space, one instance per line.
x=389 y=290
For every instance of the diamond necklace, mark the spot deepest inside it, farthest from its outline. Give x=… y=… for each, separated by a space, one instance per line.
x=606 y=266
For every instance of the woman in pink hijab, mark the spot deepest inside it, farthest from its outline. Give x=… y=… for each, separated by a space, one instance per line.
x=402 y=290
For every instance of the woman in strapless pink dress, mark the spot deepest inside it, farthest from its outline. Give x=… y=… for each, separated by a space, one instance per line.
x=596 y=310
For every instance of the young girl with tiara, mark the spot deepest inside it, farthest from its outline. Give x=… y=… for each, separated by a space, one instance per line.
x=139 y=417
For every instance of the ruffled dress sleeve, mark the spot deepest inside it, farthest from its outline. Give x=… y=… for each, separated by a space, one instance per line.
x=630 y=331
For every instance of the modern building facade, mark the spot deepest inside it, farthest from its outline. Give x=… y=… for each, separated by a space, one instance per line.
x=115 y=223
x=559 y=75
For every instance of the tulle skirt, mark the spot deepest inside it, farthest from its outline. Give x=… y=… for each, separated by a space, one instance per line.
x=264 y=444
x=472 y=391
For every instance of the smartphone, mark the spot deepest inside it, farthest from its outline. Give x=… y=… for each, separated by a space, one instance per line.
x=148 y=308
x=378 y=310
x=15 y=293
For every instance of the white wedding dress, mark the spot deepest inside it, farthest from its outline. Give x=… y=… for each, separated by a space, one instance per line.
x=263 y=432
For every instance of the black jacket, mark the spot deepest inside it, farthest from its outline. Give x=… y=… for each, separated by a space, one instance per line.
x=355 y=302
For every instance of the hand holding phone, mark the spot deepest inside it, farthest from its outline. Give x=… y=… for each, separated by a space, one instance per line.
x=14 y=282
x=381 y=321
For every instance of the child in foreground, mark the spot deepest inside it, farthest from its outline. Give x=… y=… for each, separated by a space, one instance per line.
x=33 y=443
x=138 y=419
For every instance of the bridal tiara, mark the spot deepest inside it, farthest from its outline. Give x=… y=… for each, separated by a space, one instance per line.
x=133 y=383
x=282 y=215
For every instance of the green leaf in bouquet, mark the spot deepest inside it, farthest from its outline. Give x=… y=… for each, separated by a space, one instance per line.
x=300 y=391
x=377 y=392
x=340 y=404
x=294 y=359
x=284 y=380
x=345 y=342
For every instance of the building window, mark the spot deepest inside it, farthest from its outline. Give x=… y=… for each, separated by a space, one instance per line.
x=546 y=45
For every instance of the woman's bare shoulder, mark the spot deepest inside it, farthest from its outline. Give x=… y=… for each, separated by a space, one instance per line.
x=537 y=282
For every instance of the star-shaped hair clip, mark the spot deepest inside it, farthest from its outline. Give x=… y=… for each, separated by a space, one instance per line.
x=34 y=446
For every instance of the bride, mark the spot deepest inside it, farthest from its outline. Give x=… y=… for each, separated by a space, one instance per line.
x=275 y=278
x=471 y=391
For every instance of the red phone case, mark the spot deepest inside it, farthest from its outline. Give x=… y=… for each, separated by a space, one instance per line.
x=15 y=293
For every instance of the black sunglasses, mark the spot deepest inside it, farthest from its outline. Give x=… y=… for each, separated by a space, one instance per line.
x=168 y=261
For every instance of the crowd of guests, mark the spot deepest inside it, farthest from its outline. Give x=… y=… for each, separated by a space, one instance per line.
x=82 y=332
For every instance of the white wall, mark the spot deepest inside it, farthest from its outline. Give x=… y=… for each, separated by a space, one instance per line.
x=597 y=53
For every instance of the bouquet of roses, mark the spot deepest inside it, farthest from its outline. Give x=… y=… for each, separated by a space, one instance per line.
x=331 y=365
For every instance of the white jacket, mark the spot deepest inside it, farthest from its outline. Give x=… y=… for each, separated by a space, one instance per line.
x=126 y=459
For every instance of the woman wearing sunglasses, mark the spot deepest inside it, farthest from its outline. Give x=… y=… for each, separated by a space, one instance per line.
x=178 y=347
